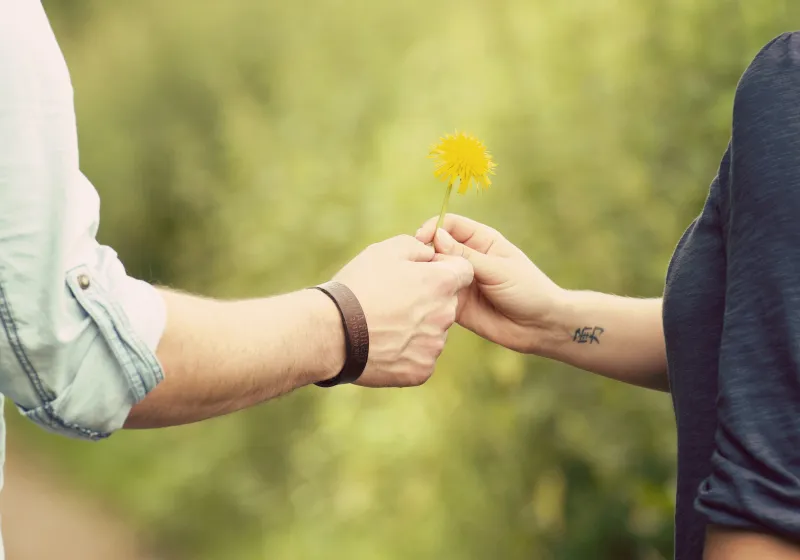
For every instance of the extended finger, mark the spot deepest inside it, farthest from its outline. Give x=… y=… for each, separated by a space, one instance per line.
x=486 y=269
x=408 y=248
x=474 y=235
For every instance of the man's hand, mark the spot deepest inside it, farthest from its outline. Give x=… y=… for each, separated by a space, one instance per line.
x=511 y=300
x=409 y=296
x=219 y=357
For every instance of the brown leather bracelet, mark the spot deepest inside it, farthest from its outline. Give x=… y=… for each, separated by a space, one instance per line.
x=356 y=333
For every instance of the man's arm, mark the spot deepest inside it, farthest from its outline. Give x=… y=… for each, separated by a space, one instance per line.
x=219 y=357
x=514 y=304
x=78 y=336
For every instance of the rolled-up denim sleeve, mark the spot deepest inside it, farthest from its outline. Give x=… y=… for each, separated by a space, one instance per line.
x=77 y=334
x=755 y=478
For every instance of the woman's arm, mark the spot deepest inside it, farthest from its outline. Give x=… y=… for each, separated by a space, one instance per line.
x=617 y=337
x=514 y=304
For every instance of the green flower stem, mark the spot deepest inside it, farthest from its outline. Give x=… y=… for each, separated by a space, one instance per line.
x=440 y=221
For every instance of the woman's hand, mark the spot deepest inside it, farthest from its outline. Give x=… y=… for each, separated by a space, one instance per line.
x=511 y=302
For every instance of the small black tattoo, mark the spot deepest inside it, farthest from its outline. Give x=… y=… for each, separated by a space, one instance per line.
x=589 y=335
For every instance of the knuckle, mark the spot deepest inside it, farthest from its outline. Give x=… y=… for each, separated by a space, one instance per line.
x=429 y=280
x=491 y=233
x=447 y=280
x=404 y=240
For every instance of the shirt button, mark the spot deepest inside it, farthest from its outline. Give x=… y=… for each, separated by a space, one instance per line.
x=83 y=281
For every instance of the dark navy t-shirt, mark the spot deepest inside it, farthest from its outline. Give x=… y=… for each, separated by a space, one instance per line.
x=732 y=321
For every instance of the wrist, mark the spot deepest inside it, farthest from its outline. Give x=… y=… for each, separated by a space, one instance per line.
x=329 y=332
x=555 y=327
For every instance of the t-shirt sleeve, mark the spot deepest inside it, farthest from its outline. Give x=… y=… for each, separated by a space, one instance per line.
x=755 y=478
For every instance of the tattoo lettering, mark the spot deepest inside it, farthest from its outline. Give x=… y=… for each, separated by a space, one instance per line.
x=590 y=335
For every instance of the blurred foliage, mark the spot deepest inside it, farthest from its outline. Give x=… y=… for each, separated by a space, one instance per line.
x=246 y=148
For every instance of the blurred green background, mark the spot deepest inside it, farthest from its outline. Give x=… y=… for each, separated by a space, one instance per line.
x=246 y=148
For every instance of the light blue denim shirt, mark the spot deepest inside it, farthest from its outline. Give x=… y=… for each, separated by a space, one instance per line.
x=77 y=334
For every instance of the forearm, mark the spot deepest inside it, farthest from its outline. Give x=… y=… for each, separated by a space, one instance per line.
x=617 y=337
x=728 y=544
x=219 y=357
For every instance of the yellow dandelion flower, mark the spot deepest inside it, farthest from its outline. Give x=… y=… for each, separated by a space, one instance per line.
x=463 y=157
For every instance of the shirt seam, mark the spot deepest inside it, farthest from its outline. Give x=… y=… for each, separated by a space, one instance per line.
x=116 y=330
x=12 y=333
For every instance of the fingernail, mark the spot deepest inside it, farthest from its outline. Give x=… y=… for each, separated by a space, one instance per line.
x=445 y=241
x=418 y=232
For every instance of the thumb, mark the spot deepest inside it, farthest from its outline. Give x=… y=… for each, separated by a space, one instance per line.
x=461 y=268
x=488 y=270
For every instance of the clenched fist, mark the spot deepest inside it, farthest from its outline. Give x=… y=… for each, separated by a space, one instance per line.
x=409 y=295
